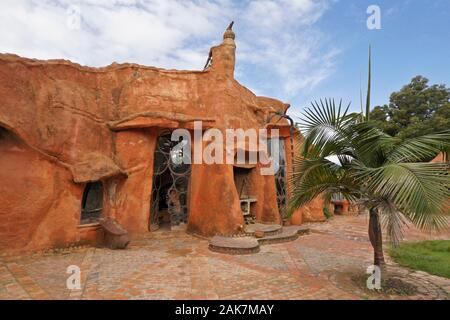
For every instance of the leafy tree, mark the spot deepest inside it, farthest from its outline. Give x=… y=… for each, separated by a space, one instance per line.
x=415 y=110
x=348 y=154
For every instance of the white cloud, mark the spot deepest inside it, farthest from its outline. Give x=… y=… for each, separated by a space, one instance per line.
x=277 y=14
x=149 y=32
x=277 y=37
x=281 y=37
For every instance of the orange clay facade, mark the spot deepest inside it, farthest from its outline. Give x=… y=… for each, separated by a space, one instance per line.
x=64 y=126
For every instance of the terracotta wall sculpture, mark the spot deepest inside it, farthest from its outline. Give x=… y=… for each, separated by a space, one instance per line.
x=64 y=126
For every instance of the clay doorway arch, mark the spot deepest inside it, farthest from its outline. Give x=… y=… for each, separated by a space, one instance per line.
x=280 y=177
x=170 y=189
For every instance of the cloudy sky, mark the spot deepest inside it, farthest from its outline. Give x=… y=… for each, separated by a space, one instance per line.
x=295 y=50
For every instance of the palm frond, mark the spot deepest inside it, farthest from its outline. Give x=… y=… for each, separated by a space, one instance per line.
x=370 y=144
x=324 y=127
x=423 y=148
x=369 y=85
x=392 y=221
x=419 y=190
x=314 y=177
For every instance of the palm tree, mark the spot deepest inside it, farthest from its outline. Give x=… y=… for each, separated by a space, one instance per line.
x=344 y=153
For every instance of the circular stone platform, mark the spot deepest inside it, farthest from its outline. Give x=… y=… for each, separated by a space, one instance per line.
x=247 y=245
x=237 y=245
x=287 y=234
x=266 y=229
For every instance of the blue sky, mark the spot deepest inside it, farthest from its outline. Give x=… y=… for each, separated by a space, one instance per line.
x=414 y=39
x=294 y=50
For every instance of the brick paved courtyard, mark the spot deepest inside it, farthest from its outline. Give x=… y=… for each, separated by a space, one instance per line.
x=174 y=265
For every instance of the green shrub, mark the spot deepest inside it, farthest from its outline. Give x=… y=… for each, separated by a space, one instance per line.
x=326 y=212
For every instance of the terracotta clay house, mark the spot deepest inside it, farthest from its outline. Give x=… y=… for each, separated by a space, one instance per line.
x=80 y=143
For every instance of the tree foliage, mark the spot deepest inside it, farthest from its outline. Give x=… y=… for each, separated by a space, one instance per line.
x=417 y=109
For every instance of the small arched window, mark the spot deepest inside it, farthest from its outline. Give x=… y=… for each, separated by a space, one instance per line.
x=92 y=203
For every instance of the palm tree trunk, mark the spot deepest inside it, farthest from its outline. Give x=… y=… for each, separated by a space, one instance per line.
x=376 y=238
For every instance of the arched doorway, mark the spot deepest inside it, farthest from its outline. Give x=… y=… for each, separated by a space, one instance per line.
x=169 y=207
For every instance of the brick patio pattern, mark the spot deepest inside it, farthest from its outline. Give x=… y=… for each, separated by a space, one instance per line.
x=175 y=265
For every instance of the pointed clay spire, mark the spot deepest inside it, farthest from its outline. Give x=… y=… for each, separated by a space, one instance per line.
x=229 y=34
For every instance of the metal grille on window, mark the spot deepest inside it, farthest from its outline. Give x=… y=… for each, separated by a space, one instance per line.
x=92 y=203
x=170 y=183
x=280 y=176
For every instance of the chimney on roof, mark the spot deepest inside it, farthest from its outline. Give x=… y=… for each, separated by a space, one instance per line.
x=223 y=56
x=229 y=34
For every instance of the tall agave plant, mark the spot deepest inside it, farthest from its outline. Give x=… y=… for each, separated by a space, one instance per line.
x=347 y=154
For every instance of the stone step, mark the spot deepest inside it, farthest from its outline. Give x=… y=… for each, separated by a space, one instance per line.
x=287 y=234
x=301 y=230
x=234 y=245
x=248 y=245
x=262 y=230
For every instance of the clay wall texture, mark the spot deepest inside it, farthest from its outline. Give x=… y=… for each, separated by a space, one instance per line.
x=63 y=125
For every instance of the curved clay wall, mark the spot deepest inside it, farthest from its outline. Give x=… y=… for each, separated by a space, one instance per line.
x=40 y=203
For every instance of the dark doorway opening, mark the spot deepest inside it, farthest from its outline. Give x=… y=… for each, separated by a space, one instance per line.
x=171 y=176
x=338 y=208
x=243 y=183
x=92 y=203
